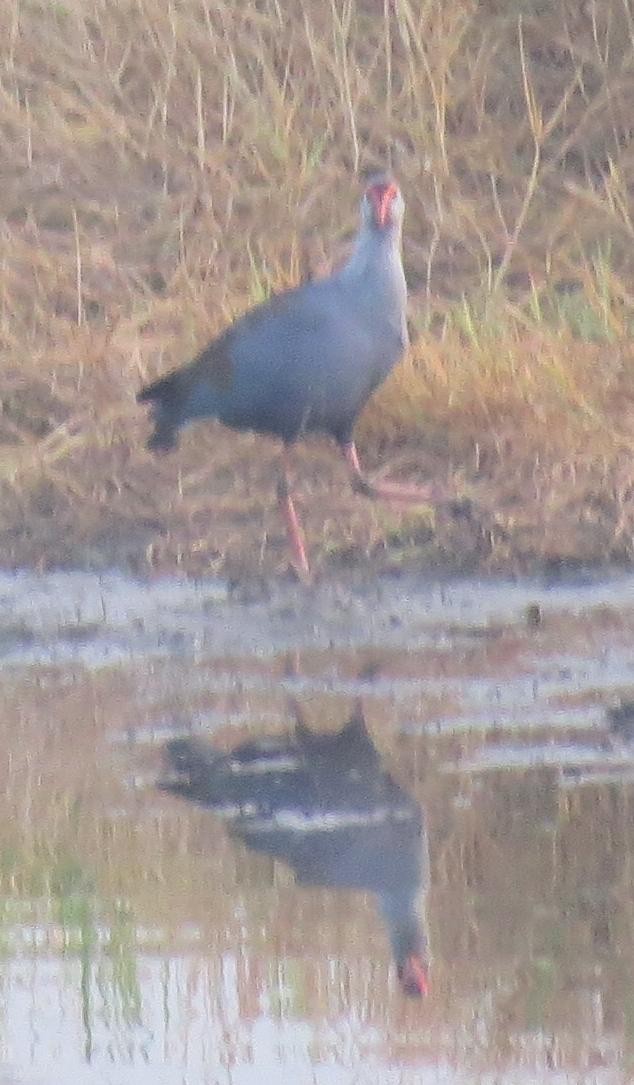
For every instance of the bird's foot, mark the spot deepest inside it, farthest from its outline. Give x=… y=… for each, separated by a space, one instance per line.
x=401 y=493
x=398 y=493
x=301 y=568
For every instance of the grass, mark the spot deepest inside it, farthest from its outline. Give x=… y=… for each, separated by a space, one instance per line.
x=164 y=166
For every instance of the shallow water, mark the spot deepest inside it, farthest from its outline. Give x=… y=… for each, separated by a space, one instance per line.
x=144 y=941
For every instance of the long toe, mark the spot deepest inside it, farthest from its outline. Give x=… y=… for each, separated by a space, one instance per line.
x=433 y=493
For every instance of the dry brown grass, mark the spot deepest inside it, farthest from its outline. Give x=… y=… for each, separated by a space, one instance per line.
x=165 y=165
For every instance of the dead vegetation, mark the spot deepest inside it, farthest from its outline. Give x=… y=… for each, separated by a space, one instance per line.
x=166 y=165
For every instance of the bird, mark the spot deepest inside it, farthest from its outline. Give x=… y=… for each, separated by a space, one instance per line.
x=326 y=806
x=621 y=719
x=306 y=361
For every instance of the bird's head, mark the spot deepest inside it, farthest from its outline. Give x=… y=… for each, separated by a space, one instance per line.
x=413 y=976
x=383 y=205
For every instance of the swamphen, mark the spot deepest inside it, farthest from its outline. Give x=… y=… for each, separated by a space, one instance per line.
x=306 y=360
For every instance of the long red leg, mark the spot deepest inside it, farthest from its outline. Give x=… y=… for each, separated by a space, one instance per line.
x=396 y=492
x=291 y=520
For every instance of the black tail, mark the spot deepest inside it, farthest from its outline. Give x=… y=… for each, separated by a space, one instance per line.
x=166 y=397
x=192 y=763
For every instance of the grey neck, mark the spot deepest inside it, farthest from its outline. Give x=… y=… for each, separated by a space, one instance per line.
x=400 y=910
x=375 y=281
x=374 y=251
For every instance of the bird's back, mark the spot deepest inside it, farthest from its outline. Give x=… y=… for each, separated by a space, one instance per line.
x=306 y=360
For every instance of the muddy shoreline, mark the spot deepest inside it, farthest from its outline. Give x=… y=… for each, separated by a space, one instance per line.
x=102 y=617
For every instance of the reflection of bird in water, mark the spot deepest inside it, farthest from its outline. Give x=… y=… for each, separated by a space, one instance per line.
x=325 y=805
x=621 y=720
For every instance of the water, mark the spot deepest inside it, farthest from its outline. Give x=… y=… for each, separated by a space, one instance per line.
x=149 y=939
